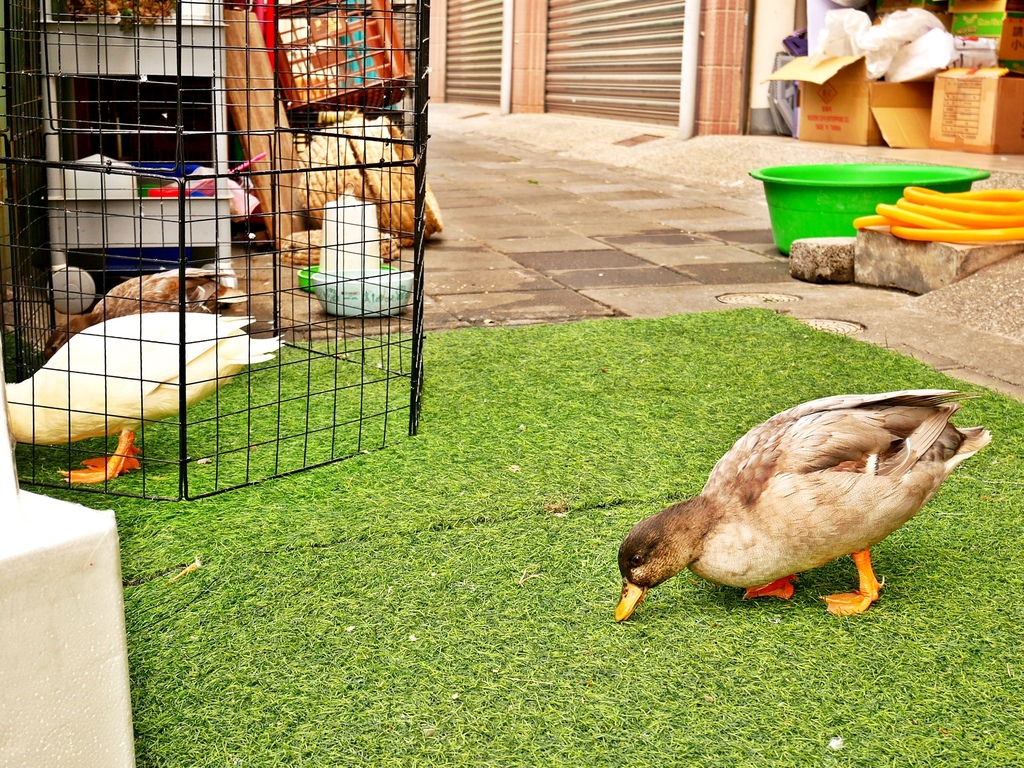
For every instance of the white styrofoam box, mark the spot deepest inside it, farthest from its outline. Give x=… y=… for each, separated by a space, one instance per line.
x=63 y=653
x=96 y=46
x=146 y=222
x=64 y=666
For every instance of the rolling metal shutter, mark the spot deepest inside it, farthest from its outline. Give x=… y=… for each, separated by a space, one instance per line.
x=473 y=65
x=615 y=58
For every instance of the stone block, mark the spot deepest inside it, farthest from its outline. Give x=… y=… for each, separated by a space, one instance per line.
x=884 y=260
x=822 y=259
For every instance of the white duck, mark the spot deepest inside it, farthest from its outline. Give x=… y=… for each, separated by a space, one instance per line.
x=123 y=372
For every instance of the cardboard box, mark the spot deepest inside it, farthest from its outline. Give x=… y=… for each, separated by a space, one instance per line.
x=888 y=6
x=839 y=105
x=903 y=112
x=985 y=6
x=978 y=110
x=989 y=24
x=1011 y=44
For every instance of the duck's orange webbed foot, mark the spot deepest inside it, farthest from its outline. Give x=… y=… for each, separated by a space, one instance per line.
x=781 y=588
x=101 y=470
x=851 y=603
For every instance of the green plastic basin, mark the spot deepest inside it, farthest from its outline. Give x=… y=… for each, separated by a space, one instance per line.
x=823 y=200
x=306 y=278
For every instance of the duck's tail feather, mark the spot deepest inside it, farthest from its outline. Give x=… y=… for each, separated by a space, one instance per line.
x=974 y=439
x=261 y=350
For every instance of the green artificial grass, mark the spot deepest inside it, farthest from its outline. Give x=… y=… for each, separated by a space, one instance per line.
x=449 y=600
x=308 y=406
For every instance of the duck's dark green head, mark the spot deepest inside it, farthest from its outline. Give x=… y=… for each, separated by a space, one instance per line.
x=655 y=550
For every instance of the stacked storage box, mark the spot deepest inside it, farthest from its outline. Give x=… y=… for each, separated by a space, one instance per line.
x=126 y=103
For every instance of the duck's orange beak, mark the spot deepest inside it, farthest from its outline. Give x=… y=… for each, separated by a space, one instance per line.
x=632 y=596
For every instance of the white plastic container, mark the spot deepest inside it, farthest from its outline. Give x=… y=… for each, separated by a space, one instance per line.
x=364 y=294
x=351 y=238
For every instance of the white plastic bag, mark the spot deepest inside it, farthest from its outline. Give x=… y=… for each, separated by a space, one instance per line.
x=841 y=34
x=922 y=59
x=974 y=52
x=849 y=32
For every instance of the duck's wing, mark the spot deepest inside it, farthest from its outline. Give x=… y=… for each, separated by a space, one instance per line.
x=204 y=290
x=876 y=440
x=142 y=352
x=880 y=434
x=905 y=397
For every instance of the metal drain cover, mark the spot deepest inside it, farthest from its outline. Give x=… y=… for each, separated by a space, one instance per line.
x=756 y=298
x=842 y=327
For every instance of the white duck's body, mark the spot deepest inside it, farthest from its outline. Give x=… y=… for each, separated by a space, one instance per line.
x=123 y=372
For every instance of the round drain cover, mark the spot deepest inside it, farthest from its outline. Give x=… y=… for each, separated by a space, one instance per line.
x=842 y=327
x=756 y=298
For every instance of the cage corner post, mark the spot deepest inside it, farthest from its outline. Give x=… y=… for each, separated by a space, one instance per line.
x=64 y=668
x=421 y=135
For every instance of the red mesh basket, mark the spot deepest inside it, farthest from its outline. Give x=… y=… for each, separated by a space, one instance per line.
x=339 y=55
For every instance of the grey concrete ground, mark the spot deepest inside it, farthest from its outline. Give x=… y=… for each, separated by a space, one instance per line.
x=552 y=219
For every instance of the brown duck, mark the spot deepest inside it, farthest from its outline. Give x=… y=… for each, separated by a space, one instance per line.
x=205 y=290
x=827 y=478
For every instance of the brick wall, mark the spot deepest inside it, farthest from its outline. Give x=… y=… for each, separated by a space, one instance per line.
x=720 y=80
x=529 y=48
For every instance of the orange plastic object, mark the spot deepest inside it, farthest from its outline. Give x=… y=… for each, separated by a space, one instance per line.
x=959 y=235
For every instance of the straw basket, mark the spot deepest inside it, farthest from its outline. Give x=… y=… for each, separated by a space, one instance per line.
x=354 y=154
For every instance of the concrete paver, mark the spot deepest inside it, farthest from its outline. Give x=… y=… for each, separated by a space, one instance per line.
x=553 y=219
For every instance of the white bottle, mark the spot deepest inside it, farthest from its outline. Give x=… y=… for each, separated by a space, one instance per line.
x=351 y=239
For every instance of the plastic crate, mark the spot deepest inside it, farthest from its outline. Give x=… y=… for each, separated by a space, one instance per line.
x=339 y=56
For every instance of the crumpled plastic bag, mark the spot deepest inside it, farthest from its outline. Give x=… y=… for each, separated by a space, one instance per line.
x=923 y=58
x=841 y=35
x=849 y=32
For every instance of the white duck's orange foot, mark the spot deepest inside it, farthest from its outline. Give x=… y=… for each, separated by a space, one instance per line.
x=851 y=603
x=781 y=588
x=101 y=470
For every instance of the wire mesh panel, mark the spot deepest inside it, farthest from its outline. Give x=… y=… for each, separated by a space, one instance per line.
x=213 y=239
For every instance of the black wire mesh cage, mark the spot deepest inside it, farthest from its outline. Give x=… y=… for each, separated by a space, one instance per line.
x=212 y=238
